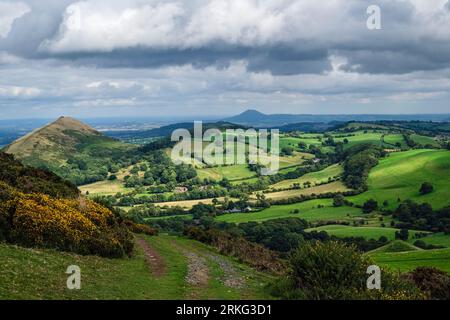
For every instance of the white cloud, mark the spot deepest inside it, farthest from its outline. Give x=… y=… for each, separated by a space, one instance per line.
x=19 y=92
x=105 y=103
x=104 y=25
x=10 y=11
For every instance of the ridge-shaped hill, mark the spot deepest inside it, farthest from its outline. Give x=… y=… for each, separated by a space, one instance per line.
x=62 y=134
x=71 y=149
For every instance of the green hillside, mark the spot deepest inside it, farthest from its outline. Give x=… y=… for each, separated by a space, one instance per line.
x=313 y=177
x=314 y=210
x=406 y=261
x=14 y=175
x=396 y=246
x=400 y=176
x=437 y=239
x=365 y=232
x=70 y=149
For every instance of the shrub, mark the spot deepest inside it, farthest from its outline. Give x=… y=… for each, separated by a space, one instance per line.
x=370 y=205
x=250 y=253
x=141 y=228
x=338 y=200
x=80 y=226
x=426 y=188
x=420 y=244
x=434 y=282
x=32 y=180
x=403 y=234
x=332 y=270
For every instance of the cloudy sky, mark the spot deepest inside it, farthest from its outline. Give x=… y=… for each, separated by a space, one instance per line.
x=96 y=58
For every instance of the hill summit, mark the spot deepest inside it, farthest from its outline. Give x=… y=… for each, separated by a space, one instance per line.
x=69 y=148
x=248 y=116
x=60 y=136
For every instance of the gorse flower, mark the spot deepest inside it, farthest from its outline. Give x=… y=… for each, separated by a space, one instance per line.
x=77 y=225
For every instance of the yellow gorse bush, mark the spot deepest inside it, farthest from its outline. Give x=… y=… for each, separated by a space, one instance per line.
x=77 y=225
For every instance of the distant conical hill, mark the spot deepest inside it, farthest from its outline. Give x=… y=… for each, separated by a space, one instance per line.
x=69 y=148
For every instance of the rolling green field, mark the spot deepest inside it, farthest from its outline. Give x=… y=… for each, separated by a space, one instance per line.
x=400 y=176
x=241 y=172
x=105 y=188
x=234 y=172
x=183 y=216
x=361 y=137
x=336 y=186
x=396 y=246
x=313 y=177
x=343 y=231
x=40 y=274
x=308 y=210
x=293 y=142
x=407 y=261
x=394 y=139
x=424 y=140
x=439 y=239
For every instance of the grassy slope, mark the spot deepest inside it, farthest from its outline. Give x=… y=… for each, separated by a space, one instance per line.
x=439 y=239
x=40 y=274
x=186 y=204
x=361 y=137
x=308 y=210
x=396 y=246
x=401 y=175
x=406 y=261
x=239 y=171
x=313 y=177
x=392 y=139
x=336 y=186
x=54 y=143
x=366 y=232
x=424 y=140
x=105 y=187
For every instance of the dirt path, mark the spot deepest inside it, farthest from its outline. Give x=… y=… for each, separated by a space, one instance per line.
x=154 y=260
x=198 y=271
x=231 y=278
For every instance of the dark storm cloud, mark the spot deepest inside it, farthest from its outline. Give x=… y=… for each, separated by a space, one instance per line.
x=399 y=47
x=279 y=61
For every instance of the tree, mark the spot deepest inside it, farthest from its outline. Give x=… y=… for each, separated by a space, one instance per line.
x=370 y=205
x=338 y=200
x=426 y=188
x=403 y=234
x=332 y=270
x=288 y=151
